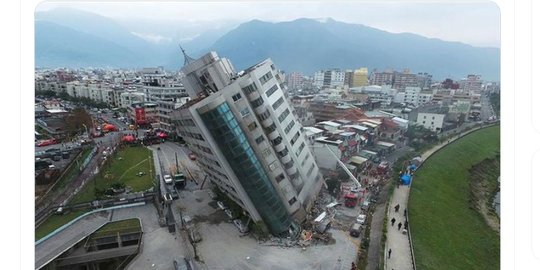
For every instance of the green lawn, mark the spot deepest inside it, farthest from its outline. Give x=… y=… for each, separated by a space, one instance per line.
x=133 y=160
x=54 y=222
x=447 y=232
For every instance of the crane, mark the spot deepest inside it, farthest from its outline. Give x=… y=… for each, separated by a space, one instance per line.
x=344 y=167
x=351 y=199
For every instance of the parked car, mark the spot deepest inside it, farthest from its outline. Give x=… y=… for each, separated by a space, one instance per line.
x=168 y=179
x=46 y=142
x=221 y=205
x=240 y=226
x=355 y=230
x=229 y=213
x=361 y=219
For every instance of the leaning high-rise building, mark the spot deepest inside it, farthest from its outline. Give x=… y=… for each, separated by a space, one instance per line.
x=248 y=140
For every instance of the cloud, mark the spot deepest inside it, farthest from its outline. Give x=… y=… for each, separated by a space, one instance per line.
x=157 y=39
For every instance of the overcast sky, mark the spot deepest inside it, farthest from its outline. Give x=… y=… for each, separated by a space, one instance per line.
x=472 y=22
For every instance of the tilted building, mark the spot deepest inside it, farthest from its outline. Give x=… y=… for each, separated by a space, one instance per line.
x=248 y=140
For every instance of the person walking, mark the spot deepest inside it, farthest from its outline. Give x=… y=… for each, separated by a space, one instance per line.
x=396 y=208
x=405 y=212
x=406 y=225
x=399 y=226
x=393 y=221
x=389 y=253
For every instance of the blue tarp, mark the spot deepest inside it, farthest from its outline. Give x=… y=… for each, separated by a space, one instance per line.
x=406 y=179
x=412 y=167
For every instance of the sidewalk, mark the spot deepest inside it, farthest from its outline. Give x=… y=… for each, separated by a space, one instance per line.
x=401 y=255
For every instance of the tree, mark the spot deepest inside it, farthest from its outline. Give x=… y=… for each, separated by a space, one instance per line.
x=77 y=119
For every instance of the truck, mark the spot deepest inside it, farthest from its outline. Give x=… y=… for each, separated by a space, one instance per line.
x=351 y=199
x=179 y=180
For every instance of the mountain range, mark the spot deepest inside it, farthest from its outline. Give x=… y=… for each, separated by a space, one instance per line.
x=73 y=38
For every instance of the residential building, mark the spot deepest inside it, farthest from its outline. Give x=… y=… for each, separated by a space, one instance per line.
x=329 y=78
x=294 y=80
x=144 y=113
x=425 y=97
x=360 y=77
x=473 y=83
x=348 y=79
x=382 y=78
x=412 y=95
x=248 y=141
x=404 y=79
x=431 y=121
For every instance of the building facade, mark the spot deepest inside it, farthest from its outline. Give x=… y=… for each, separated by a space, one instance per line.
x=248 y=140
x=360 y=77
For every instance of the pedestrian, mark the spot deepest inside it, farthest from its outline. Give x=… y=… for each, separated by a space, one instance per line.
x=389 y=253
x=399 y=226
x=393 y=221
x=406 y=225
x=405 y=212
x=396 y=208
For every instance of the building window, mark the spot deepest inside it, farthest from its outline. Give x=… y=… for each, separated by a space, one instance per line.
x=266 y=77
x=293 y=140
x=311 y=169
x=252 y=126
x=300 y=149
x=432 y=123
x=237 y=97
x=258 y=102
x=260 y=139
x=289 y=127
x=272 y=166
x=283 y=115
x=277 y=103
x=272 y=90
x=266 y=152
x=423 y=122
x=250 y=89
x=292 y=201
x=244 y=112
x=280 y=177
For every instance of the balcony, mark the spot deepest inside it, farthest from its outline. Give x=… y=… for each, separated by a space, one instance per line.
x=253 y=95
x=291 y=171
x=267 y=122
x=286 y=158
x=273 y=135
x=260 y=110
x=279 y=147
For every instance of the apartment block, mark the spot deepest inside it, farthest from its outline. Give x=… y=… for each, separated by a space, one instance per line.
x=248 y=141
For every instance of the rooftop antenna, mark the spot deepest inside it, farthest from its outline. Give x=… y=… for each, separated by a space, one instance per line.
x=187 y=59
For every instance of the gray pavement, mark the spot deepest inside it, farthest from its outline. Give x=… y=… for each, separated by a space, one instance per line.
x=375 y=233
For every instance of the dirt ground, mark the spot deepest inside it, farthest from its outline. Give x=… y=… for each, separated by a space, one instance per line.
x=484 y=185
